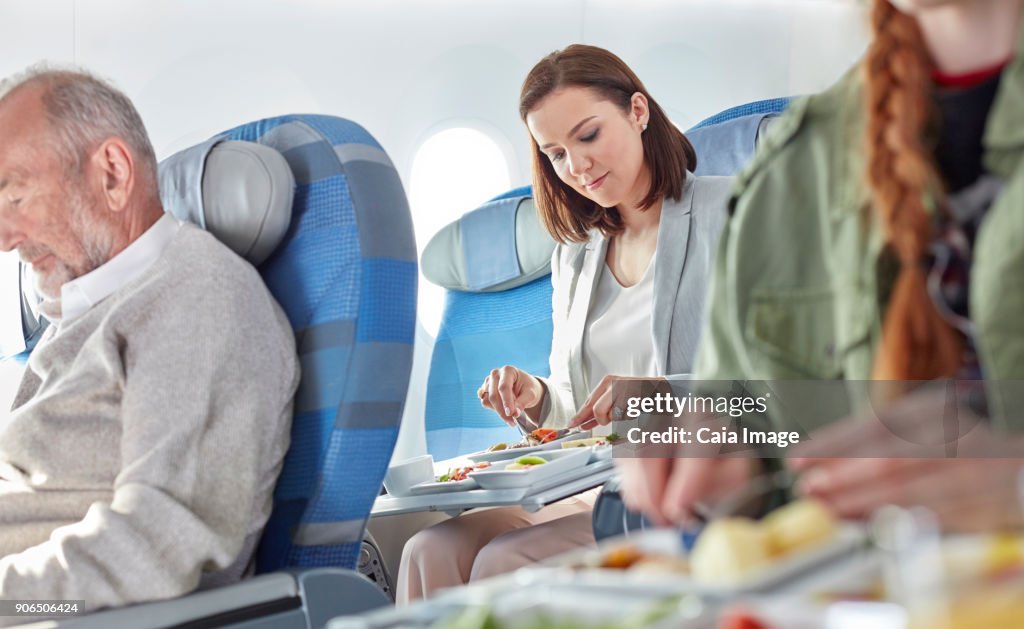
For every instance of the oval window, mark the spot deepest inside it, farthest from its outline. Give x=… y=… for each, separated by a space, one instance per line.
x=453 y=171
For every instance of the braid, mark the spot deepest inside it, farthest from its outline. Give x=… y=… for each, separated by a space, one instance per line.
x=916 y=343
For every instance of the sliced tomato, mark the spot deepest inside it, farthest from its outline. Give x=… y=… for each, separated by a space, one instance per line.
x=544 y=435
x=742 y=620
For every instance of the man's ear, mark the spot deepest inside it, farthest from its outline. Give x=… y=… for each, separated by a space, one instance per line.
x=114 y=167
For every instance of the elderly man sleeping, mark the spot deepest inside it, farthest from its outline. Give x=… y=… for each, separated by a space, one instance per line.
x=139 y=457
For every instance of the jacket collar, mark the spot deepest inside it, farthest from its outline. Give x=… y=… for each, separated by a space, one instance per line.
x=589 y=267
x=1004 y=130
x=673 y=235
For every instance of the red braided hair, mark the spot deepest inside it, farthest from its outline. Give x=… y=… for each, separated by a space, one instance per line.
x=916 y=343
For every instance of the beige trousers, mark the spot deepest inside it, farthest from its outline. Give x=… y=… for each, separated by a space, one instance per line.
x=488 y=542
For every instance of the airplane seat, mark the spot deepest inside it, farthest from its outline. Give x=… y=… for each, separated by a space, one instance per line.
x=346 y=278
x=725 y=141
x=495 y=262
x=767 y=106
x=345 y=274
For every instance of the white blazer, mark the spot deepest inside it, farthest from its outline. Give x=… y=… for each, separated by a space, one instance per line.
x=687 y=237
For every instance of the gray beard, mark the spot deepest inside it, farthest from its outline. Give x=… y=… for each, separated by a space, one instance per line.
x=96 y=240
x=49 y=307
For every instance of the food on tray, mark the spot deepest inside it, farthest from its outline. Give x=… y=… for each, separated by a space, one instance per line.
x=525 y=463
x=621 y=557
x=980 y=584
x=456 y=474
x=990 y=557
x=606 y=440
x=664 y=564
x=800 y=523
x=539 y=617
x=728 y=549
x=543 y=435
x=584 y=443
x=984 y=613
x=980 y=608
x=629 y=557
x=535 y=438
x=1003 y=551
x=873 y=590
x=740 y=619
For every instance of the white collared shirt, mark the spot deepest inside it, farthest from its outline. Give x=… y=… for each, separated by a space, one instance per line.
x=82 y=293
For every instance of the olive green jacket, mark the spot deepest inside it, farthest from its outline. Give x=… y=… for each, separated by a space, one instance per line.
x=796 y=288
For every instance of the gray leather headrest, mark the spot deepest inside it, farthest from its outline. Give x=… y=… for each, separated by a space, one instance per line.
x=724 y=148
x=496 y=247
x=241 y=192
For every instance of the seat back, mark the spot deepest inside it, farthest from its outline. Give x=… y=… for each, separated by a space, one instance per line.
x=767 y=106
x=345 y=275
x=483 y=328
x=481 y=331
x=497 y=311
x=726 y=141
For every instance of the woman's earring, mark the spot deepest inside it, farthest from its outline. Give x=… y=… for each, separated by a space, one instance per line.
x=643 y=128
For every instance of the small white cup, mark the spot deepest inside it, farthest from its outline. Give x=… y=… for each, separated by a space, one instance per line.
x=403 y=475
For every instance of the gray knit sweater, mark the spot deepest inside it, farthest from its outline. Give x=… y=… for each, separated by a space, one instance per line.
x=144 y=442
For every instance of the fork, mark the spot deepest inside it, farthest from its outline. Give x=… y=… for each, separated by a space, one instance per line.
x=735 y=501
x=522 y=423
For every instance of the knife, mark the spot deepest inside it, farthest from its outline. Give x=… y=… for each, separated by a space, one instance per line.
x=523 y=422
x=565 y=432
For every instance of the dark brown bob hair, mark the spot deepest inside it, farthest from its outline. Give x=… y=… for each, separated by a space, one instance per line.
x=566 y=214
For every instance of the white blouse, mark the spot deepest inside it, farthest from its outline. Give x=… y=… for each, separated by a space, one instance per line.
x=617 y=338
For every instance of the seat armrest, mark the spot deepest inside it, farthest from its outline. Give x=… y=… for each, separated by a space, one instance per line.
x=261 y=596
x=331 y=592
x=295 y=599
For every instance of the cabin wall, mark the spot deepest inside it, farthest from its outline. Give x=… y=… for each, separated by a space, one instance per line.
x=194 y=67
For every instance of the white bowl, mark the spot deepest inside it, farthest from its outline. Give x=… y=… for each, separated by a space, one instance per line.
x=558 y=461
x=403 y=475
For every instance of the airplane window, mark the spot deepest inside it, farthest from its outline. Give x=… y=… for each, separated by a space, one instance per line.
x=11 y=337
x=10 y=303
x=453 y=171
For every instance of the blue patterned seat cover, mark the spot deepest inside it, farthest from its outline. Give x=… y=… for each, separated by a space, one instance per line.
x=345 y=274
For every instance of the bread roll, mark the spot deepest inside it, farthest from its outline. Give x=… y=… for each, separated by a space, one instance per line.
x=727 y=550
x=798 y=524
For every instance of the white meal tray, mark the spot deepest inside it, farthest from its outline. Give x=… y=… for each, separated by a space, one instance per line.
x=837 y=594
x=497 y=476
x=439 y=487
x=524 y=603
x=855 y=572
x=775 y=576
x=533 y=496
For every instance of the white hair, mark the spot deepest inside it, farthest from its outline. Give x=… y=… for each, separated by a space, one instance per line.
x=85 y=110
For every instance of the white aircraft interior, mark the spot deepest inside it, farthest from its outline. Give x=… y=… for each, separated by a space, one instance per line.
x=435 y=82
